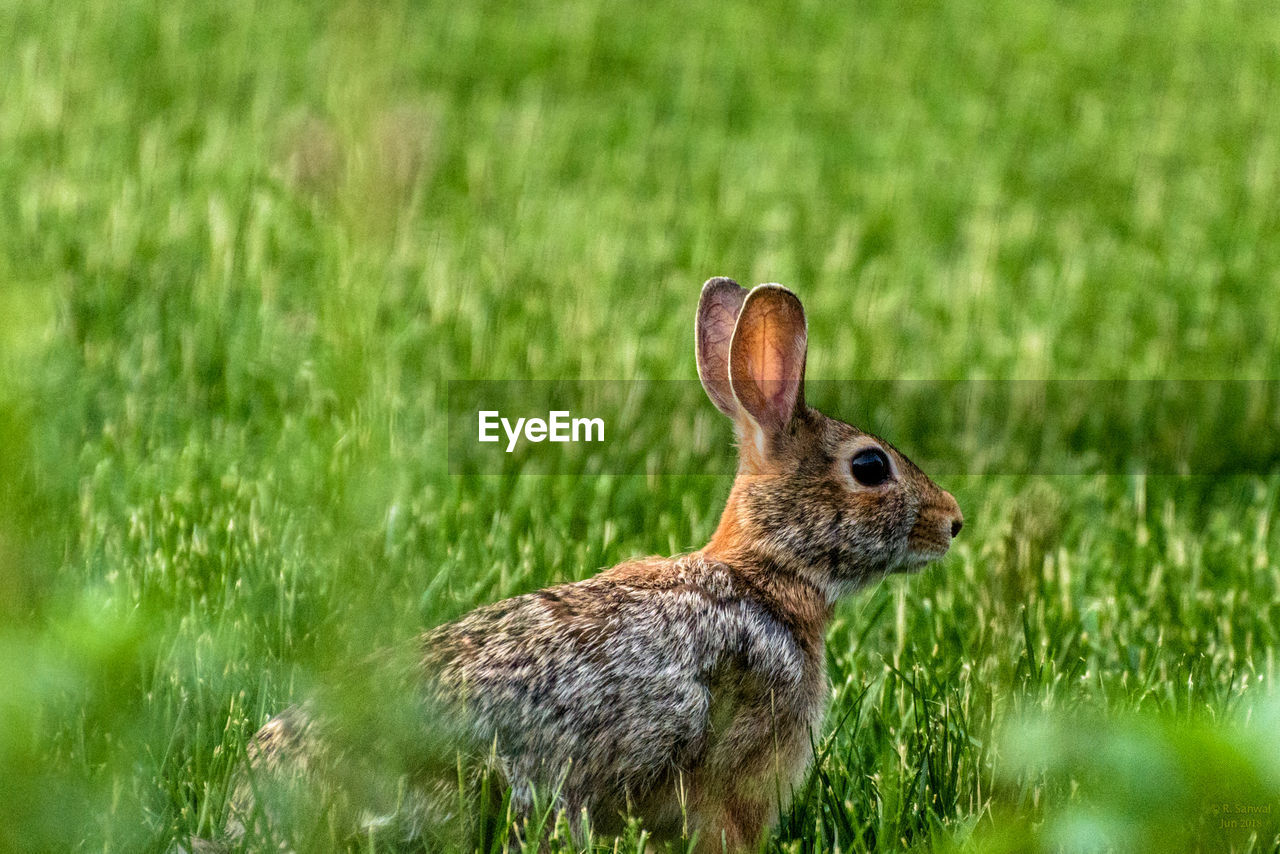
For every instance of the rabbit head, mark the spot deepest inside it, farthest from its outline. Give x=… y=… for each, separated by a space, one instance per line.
x=813 y=494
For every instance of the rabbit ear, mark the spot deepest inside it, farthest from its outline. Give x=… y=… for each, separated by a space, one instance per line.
x=766 y=357
x=718 y=309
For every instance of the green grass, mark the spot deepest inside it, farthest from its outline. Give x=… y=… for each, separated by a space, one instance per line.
x=244 y=246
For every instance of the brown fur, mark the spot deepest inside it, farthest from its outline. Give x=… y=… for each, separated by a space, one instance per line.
x=690 y=689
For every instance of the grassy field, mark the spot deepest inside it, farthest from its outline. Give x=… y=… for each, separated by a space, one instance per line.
x=245 y=246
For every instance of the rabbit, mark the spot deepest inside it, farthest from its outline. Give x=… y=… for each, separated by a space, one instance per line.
x=688 y=691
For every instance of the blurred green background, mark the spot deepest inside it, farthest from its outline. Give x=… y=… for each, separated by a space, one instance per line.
x=244 y=246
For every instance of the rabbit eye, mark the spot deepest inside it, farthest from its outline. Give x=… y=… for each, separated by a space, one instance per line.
x=870 y=467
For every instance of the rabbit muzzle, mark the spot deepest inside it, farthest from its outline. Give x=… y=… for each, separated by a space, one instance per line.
x=936 y=525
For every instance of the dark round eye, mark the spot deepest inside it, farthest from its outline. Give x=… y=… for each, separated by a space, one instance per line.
x=870 y=467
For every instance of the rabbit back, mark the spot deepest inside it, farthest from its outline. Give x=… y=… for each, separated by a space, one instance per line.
x=664 y=687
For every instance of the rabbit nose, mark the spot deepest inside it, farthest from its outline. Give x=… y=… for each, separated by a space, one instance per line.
x=952 y=509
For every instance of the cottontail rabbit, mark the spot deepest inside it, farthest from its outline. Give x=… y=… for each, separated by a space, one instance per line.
x=687 y=691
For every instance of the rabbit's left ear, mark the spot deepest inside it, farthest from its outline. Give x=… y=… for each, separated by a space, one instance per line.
x=767 y=355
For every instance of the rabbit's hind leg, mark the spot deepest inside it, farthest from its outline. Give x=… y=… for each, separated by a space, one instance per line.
x=734 y=824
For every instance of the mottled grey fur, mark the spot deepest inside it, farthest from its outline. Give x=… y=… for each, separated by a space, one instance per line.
x=615 y=686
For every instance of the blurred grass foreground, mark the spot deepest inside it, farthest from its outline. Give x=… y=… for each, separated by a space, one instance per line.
x=244 y=247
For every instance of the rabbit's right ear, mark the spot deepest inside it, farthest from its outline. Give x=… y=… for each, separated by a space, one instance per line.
x=718 y=309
